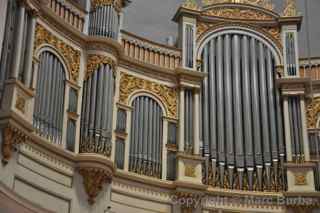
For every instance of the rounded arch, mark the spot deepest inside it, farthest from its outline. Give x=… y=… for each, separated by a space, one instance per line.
x=49 y=48
x=149 y=94
x=244 y=31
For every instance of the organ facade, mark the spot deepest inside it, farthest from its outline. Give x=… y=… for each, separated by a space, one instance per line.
x=97 y=119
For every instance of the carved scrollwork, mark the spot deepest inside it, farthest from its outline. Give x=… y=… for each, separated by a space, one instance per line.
x=168 y=95
x=190 y=171
x=93 y=181
x=190 y=4
x=238 y=13
x=313 y=112
x=71 y=55
x=116 y=3
x=300 y=179
x=12 y=137
x=94 y=61
x=260 y=3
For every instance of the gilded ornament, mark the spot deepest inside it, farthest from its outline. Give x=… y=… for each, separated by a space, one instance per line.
x=275 y=32
x=300 y=179
x=94 y=62
x=93 y=181
x=20 y=104
x=290 y=9
x=190 y=171
x=12 y=137
x=267 y=4
x=116 y=3
x=238 y=13
x=129 y=84
x=71 y=56
x=313 y=112
x=190 y=4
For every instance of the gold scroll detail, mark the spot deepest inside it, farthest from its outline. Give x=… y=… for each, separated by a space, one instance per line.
x=12 y=137
x=168 y=95
x=190 y=4
x=71 y=56
x=116 y=3
x=291 y=9
x=300 y=179
x=93 y=181
x=94 y=61
x=313 y=112
x=238 y=13
x=190 y=171
x=20 y=103
x=267 y=4
x=275 y=32
x=203 y=27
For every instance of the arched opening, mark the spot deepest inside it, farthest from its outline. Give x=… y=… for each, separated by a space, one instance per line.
x=49 y=99
x=146 y=137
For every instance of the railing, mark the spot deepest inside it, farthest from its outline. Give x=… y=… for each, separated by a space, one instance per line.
x=68 y=12
x=310 y=71
x=150 y=52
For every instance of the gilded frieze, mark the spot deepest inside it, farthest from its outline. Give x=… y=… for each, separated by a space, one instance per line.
x=260 y=3
x=129 y=84
x=116 y=3
x=274 y=32
x=71 y=55
x=94 y=61
x=238 y=13
x=313 y=111
x=190 y=4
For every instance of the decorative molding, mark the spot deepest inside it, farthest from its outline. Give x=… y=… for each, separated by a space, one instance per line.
x=93 y=181
x=12 y=137
x=71 y=55
x=300 y=179
x=20 y=103
x=275 y=32
x=190 y=4
x=88 y=145
x=94 y=62
x=168 y=95
x=290 y=9
x=190 y=171
x=238 y=13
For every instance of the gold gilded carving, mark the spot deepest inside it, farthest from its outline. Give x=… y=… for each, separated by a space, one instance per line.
x=203 y=27
x=290 y=9
x=300 y=179
x=168 y=95
x=190 y=4
x=20 y=104
x=238 y=13
x=260 y=3
x=116 y=3
x=11 y=138
x=274 y=32
x=190 y=171
x=71 y=56
x=313 y=112
x=94 y=61
x=93 y=181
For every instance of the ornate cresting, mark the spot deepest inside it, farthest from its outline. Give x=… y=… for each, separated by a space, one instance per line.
x=118 y=4
x=94 y=61
x=12 y=136
x=190 y=4
x=238 y=13
x=71 y=55
x=129 y=84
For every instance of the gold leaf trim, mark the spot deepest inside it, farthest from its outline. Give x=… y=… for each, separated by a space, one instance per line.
x=71 y=56
x=94 y=61
x=238 y=13
x=168 y=96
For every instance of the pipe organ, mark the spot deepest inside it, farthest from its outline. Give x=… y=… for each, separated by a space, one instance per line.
x=146 y=137
x=97 y=108
x=240 y=111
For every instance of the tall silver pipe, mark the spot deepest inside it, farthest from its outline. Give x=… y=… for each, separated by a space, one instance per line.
x=228 y=100
x=100 y=72
x=93 y=104
x=205 y=99
x=237 y=103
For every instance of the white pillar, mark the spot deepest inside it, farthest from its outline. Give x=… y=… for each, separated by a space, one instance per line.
x=287 y=127
x=181 y=121
x=28 y=65
x=304 y=130
x=164 y=149
x=127 y=142
x=3 y=11
x=196 y=134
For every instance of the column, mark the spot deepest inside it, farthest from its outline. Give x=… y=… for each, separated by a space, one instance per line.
x=29 y=55
x=181 y=121
x=127 y=142
x=3 y=11
x=196 y=103
x=18 y=44
x=164 y=149
x=304 y=130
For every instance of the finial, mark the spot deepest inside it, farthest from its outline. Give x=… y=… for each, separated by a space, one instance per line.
x=190 y=4
x=290 y=9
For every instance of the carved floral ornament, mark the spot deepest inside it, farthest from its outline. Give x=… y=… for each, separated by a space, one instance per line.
x=71 y=56
x=94 y=61
x=129 y=84
x=98 y=3
x=313 y=112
